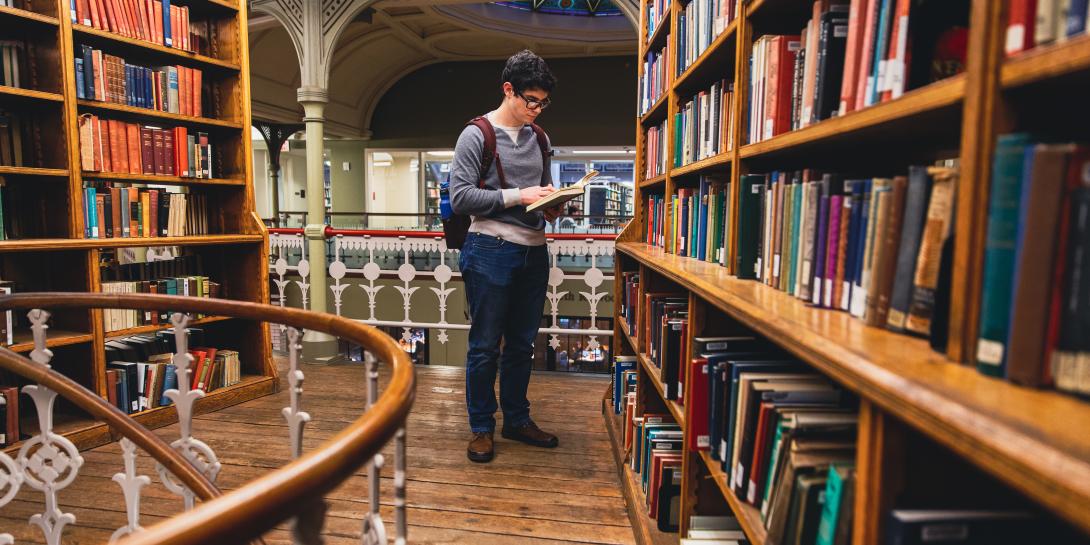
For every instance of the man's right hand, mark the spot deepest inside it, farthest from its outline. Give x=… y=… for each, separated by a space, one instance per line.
x=530 y=195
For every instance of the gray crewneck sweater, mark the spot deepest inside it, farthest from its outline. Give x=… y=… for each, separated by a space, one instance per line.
x=498 y=212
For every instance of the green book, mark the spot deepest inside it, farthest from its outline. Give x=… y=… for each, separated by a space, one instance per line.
x=749 y=225
x=796 y=226
x=1008 y=173
x=834 y=494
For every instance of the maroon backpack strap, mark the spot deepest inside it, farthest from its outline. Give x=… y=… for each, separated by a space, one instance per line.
x=543 y=145
x=488 y=153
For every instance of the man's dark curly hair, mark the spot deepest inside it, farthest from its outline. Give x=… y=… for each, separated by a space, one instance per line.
x=525 y=70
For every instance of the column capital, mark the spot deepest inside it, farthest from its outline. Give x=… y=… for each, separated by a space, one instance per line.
x=312 y=94
x=314 y=231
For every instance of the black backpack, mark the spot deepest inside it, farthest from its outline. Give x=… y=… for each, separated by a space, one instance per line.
x=455 y=226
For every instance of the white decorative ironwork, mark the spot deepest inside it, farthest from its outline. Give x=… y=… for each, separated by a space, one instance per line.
x=131 y=484
x=374 y=531
x=296 y=419
x=195 y=451
x=11 y=480
x=48 y=462
x=367 y=247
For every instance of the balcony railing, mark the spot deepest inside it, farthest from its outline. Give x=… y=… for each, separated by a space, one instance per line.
x=49 y=462
x=363 y=263
x=391 y=221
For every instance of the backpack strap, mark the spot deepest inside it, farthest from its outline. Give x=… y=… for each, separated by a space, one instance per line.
x=543 y=145
x=488 y=153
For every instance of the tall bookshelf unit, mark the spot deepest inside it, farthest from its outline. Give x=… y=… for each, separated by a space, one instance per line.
x=933 y=432
x=58 y=257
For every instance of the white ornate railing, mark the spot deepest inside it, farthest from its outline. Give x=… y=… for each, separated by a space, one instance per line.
x=376 y=255
x=48 y=462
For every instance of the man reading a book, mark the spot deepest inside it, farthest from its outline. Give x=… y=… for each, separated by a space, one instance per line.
x=504 y=261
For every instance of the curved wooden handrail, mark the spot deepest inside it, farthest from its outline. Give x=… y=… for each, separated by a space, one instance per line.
x=250 y=511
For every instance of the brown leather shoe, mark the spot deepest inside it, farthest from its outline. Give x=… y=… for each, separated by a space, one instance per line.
x=530 y=434
x=480 y=447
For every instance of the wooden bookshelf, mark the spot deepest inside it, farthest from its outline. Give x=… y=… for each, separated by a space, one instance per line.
x=658 y=38
x=60 y=258
x=1030 y=443
x=152 y=328
x=657 y=112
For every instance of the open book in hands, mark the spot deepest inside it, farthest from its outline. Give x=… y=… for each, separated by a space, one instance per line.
x=562 y=196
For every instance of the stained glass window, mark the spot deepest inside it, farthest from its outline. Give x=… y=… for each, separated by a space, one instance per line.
x=592 y=8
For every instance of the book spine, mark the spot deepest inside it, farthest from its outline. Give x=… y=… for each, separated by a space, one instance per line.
x=940 y=216
x=919 y=188
x=1003 y=211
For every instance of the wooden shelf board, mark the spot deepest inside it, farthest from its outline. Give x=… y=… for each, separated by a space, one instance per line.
x=644 y=528
x=715 y=161
x=19 y=92
x=653 y=182
x=747 y=515
x=27 y=15
x=149 y=46
x=139 y=330
x=942 y=94
x=1035 y=440
x=1046 y=62
x=156 y=114
x=657 y=112
x=156 y=179
x=24 y=339
x=54 y=244
x=696 y=75
x=654 y=373
x=32 y=171
x=655 y=42
x=224 y=4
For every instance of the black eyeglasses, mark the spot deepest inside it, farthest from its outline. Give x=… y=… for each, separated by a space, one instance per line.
x=535 y=104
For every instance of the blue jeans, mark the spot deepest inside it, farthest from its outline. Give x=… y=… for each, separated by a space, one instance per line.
x=505 y=286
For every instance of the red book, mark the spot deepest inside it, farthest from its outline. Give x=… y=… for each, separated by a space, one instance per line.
x=103 y=17
x=867 y=60
x=175 y=26
x=157 y=151
x=93 y=12
x=147 y=150
x=181 y=136
x=195 y=93
x=1020 y=26
x=119 y=154
x=133 y=138
x=785 y=53
x=185 y=29
x=111 y=16
x=153 y=223
x=696 y=410
x=158 y=18
x=183 y=91
x=168 y=152
x=853 y=54
x=766 y=420
x=115 y=214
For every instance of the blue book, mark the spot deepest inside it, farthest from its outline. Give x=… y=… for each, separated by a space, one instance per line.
x=89 y=72
x=881 y=45
x=1076 y=17
x=170 y=381
x=1008 y=172
x=167 y=35
x=620 y=365
x=80 y=91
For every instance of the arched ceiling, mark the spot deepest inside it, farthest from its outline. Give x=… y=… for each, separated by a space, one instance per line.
x=402 y=36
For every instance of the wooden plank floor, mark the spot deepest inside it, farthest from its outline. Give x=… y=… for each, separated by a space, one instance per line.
x=526 y=495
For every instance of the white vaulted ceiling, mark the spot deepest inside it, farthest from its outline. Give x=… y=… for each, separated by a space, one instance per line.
x=406 y=35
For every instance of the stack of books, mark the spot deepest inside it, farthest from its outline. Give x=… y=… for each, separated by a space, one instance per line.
x=108 y=78
x=116 y=210
x=1035 y=294
x=110 y=145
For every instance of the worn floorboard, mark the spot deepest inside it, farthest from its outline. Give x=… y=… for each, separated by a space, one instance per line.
x=568 y=495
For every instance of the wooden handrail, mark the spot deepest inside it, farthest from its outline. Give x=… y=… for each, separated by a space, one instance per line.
x=252 y=510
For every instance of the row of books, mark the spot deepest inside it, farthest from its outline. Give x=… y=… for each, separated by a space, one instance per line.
x=15 y=131
x=714 y=530
x=111 y=270
x=1032 y=23
x=1035 y=309
x=110 y=145
x=109 y=78
x=694 y=222
x=12 y=63
x=655 y=157
x=851 y=56
x=700 y=22
x=653 y=447
x=116 y=319
x=874 y=247
x=656 y=79
x=114 y=210
x=704 y=126
x=155 y=21
x=656 y=11
x=140 y=369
